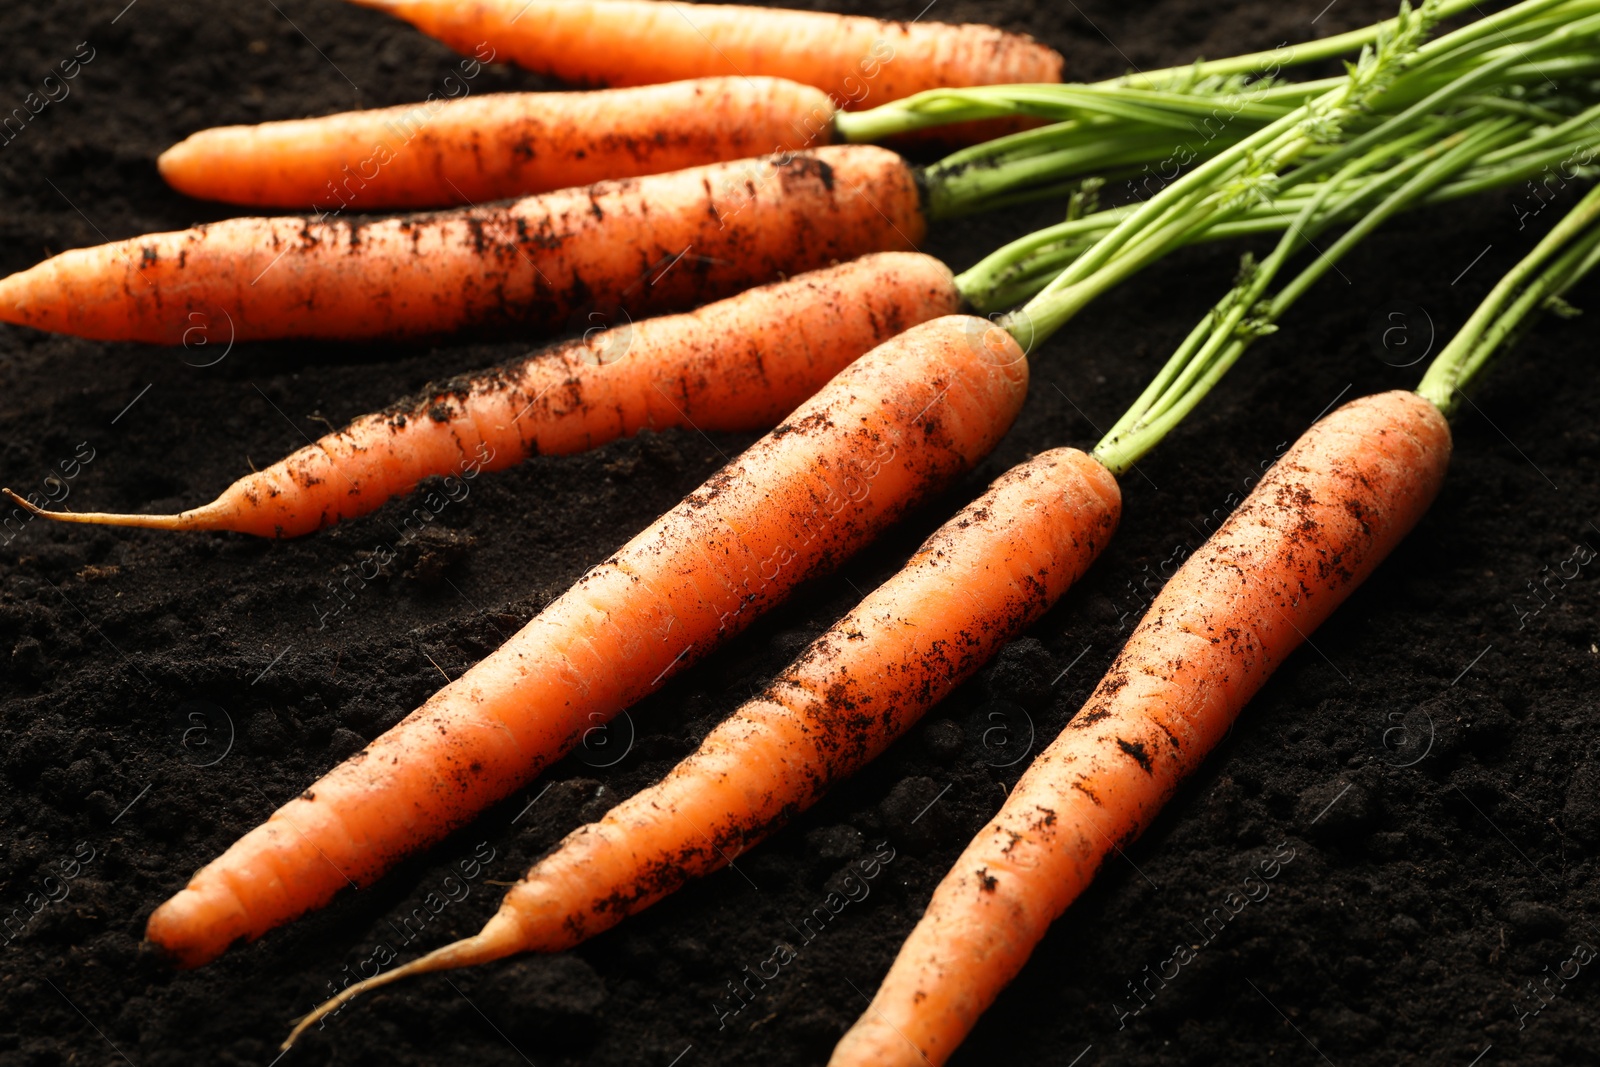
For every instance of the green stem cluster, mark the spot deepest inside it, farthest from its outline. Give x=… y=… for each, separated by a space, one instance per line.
x=1247 y=313
x=1153 y=125
x=1411 y=121
x=1187 y=89
x=1414 y=121
x=1015 y=273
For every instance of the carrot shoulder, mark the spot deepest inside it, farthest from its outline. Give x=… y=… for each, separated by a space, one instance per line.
x=1311 y=531
x=895 y=426
x=861 y=62
x=496 y=146
x=657 y=243
x=740 y=364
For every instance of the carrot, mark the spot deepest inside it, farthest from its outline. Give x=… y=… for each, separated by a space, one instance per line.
x=892 y=428
x=1311 y=531
x=639 y=42
x=472 y=149
x=983 y=577
x=737 y=365
x=655 y=243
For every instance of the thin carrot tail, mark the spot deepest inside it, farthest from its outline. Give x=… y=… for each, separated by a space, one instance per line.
x=201 y=518
x=501 y=937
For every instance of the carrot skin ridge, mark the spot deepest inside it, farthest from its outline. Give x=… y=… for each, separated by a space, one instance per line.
x=859 y=61
x=895 y=426
x=1311 y=531
x=495 y=146
x=977 y=582
x=737 y=365
x=653 y=244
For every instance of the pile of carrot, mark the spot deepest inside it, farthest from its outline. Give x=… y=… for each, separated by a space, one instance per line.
x=1348 y=491
x=741 y=363
x=783 y=292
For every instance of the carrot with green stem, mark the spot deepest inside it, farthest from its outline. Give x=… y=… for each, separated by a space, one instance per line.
x=471 y=149
x=984 y=576
x=741 y=363
x=893 y=427
x=1315 y=526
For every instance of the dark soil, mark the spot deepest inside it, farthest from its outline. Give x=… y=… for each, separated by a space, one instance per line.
x=1431 y=764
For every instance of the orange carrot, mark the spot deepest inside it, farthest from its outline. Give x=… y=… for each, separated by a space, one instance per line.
x=1311 y=531
x=471 y=149
x=893 y=427
x=985 y=575
x=657 y=243
x=737 y=365
x=860 y=61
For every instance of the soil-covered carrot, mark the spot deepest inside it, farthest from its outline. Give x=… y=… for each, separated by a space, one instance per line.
x=895 y=426
x=977 y=582
x=477 y=148
x=737 y=365
x=639 y=42
x=1319 y=522
x=657 y=243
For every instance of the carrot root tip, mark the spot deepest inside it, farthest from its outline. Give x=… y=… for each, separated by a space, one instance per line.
x=194 y=519
x=502 y=936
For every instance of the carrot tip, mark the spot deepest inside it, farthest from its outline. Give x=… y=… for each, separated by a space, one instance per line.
x=25 y=505
x=184 y=521
x=501 y=936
